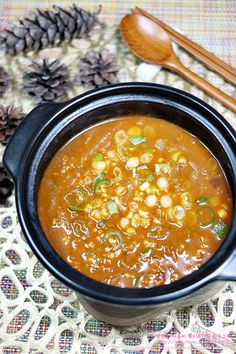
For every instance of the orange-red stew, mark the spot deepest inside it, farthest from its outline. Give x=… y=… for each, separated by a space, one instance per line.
x=135 y=202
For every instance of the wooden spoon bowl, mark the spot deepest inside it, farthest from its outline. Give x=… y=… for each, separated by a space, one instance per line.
x=151 y=43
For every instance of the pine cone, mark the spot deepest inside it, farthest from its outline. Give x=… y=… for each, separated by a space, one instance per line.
x=6 y=185
x=98 y=69
x=4 y=81
x=47 y=81
x=10 y=118
x=47 y=28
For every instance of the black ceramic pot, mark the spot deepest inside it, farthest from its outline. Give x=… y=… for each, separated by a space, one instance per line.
x=50 y=126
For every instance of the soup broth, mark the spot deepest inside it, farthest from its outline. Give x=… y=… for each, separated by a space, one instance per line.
x=135 y=202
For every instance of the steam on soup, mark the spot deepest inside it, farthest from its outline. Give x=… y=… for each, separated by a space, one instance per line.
x=134 y=202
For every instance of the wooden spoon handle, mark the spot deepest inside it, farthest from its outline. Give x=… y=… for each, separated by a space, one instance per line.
x=205 y=86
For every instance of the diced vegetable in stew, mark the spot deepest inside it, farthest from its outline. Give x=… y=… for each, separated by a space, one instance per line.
x=135 y=202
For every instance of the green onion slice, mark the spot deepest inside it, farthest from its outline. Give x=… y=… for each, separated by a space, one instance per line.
x=202 y=200
x=159 y=232
x=120 y=137
x=98 y=157
x=146 y=253
x=122 y=153
x=114 y=239
x=101 y=223
x=75 y=209
x=90 y=257
x=99 y=180
x=220 y=228
x=205 y=216
x=152 y=190
x=118 y=175
x=80 y=229
x=144 y=173
x=112 y=207
x=75 y=198
x=136 y=140
x=137 y=280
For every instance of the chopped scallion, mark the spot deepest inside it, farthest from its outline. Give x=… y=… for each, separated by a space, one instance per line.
x=144 y=173
x=99 y=180
x=220 y=228
x=98 y=157
x=152 y=190
x=202 y=200
x=80 y=228
x=136 y=140
x=90 y=257
x=122 y=153
x=146 y=252
x=74 y=209
x=75 y=198
x=114 y=238
x=112 y=207
x=205 y=215
x=101 y=223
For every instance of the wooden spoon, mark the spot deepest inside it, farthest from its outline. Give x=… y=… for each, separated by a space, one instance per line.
x=150 y=42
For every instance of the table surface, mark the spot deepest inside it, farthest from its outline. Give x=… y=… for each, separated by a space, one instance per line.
x=37 y=313
x=211 y=23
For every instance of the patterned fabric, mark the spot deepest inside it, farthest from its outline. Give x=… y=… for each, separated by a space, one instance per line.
x=40 y=315
x=211 y=23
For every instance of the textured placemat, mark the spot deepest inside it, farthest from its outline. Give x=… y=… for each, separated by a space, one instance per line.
x=38 y=314
x=211 y=23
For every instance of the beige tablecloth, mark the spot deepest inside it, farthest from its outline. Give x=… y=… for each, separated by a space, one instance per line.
x=38 y=314
x=211 y=23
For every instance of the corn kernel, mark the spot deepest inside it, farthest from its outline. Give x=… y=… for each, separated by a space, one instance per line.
x=149 y=243
x=132 y=163
x=166 y=201
x=160 y=144
x=151 y=200
x=111 y=255
x=130 y=215
x=178 y=212
x=149 y=131
x=186 y=200
x=165 y=169
x=133 y=206
x=99 y=165
x=111 y=154
x=105 y=213
x=157 y=168
x=131 y=231
x=120 y=190
x=124 y=222
x=163 y=184
x=176 y=156
x=120 y=137
x=145 y=222
x=135 y=220
x=134 y=131
x=222 y=213
x=182 y=160
x=214 y=200
x=144 y=186
x=143 y=213
x=146 y=157
x=95 y=214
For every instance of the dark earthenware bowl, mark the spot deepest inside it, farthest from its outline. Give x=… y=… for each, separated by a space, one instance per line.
x=50 y=126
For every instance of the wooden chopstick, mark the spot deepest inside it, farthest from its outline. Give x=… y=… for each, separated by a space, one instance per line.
x=214 y=63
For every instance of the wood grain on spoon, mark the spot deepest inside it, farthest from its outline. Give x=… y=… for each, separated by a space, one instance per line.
x=150 y=42
x=209 y=59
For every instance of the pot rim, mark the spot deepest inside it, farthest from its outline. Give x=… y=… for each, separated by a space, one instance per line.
x=97 y=290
